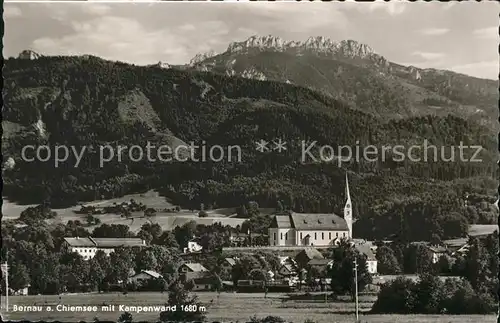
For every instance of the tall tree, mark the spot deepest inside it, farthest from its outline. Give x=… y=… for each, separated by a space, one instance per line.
x=179 y=297
x=342 y=270
x=18 y=276
x=387 y=263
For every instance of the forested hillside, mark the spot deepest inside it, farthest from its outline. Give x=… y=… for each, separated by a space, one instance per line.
x=86 y=101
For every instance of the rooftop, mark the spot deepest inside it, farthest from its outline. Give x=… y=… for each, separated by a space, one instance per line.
x=231 y=261
x=366 y=249
x=455 y=243
x=311 y=253
x=319 y=262
x=151 y=273
x=105 y=242
x=195 y=266
x=204 y=280
x=482 y=229
x=80 y=242
x=310 y=221
x=118 y=242
x=289 y=267
x=437 y=249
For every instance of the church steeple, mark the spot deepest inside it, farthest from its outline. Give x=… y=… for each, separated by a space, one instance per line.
x=348 y=208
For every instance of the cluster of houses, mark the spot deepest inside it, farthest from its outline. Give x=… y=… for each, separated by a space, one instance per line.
x=236 y=240
x=289 y=274
x=454 y=247
x=287 y=232
x=200 y=277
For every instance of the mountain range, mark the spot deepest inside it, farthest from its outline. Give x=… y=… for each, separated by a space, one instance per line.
x=263 y=88
x=353 y=72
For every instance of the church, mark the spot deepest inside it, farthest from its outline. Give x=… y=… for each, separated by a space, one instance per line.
x=311 y=229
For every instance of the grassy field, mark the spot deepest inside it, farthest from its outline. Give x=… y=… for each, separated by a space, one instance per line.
x=166 y=220
x=228 y=307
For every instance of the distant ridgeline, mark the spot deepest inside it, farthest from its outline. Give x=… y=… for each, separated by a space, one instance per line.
x=87 y=101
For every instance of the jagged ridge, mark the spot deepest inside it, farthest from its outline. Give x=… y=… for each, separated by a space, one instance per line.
x=319 y=44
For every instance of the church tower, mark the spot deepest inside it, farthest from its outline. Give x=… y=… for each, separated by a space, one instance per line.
x=348 y=208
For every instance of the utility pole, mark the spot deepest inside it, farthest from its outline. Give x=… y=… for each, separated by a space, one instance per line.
x=323 y=285
x=356 y=286
x=5 y=269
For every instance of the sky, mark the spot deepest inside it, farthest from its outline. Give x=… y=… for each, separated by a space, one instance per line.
x=461 y=37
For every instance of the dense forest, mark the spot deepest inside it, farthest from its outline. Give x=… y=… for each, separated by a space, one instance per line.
x=87 y=101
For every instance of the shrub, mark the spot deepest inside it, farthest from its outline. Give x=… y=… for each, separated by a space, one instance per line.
x=268 y=319
x=125 y=318
x=396 y=297
x=431 y=296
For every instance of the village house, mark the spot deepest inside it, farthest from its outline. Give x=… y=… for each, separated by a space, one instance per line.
x=306 y=255
x=239 y=239
x=20 y=292
x=287 y=270
x=87 y=247
x=321 y=264
x=192 y=246
x=371 y=261
x=192 y=270
x=437 y=252
x=227 y=264
x=284 y=259
x=143 y=277
x=204 y=283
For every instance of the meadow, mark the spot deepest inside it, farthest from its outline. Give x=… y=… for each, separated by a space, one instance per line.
x=226 y=307
x=167 y=220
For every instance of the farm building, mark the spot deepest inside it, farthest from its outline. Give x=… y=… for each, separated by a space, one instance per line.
x=88 y=247
x=192 y=270
x=144 y=276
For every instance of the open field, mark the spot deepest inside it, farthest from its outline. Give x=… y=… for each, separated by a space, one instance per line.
x=228 y=307
x=12 y=210
x=167 y=220
x=482 y=229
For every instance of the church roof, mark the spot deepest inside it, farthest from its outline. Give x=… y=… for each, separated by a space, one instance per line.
x=281 y=221
x=310 y=221
x=318 y=221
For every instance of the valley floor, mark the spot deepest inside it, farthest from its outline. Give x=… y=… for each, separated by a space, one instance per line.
x=228 y=307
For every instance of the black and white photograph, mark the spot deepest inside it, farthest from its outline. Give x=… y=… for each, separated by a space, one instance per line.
x=250 y=162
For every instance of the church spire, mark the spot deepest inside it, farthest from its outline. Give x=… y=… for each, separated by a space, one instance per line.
x=348 y=208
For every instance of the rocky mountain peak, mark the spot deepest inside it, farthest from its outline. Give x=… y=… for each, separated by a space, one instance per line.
x=28 y=54
x=262 y=42
x=201 y=57
x=163 y=64
x=317 y=44
x=352 y=48
x=414 y=72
